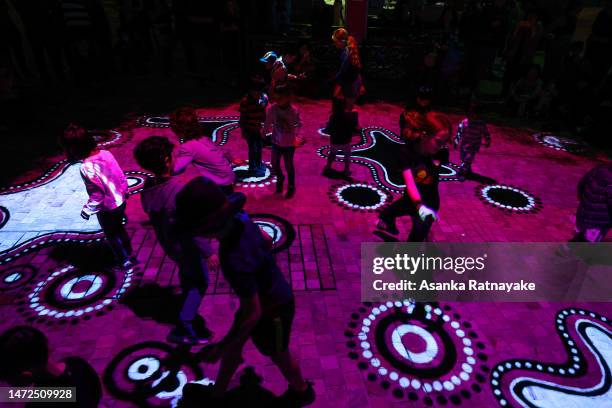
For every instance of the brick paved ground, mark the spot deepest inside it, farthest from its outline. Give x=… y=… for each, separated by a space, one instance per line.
x=322 y=263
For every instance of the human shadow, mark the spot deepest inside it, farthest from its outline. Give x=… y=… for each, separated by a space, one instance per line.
x=85 y=256
x=249 y=393
x=161 y=304
x=479 y=178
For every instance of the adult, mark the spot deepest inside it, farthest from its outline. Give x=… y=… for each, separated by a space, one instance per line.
x=348 y=83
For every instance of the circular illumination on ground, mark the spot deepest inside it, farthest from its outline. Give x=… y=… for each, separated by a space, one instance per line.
x=16 y=277
x=359 y=196
x=417 y=349
x=556 y=142
x=279 y=229
x=508 y=198
x=245 y=179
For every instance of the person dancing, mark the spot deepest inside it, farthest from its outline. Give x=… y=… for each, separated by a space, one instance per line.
x=419 y=162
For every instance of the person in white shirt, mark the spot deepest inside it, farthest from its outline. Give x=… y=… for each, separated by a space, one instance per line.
x=106 y=186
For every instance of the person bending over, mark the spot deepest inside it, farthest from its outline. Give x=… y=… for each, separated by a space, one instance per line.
x=419 y=162
x=267 y=304
x=192 y=254
x=208 y=159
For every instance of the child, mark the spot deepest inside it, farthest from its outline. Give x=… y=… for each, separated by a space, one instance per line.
x=193 y=255
x=340 y=127
x=420 y=169
x=470 y=133
x=24 y=352
x=285 y=120
x=267 y=304
x=252 y=116
x=107 y=187
x=207 y=158
x=594 y=214
x=413 y=116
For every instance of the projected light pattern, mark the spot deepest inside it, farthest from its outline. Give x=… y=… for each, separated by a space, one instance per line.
x=219 y=127
x=152 y=374
x=244 y=179
x=279 y=229
x=560 y=143
x=587 y=339
x=52 y=203
x=16 y=277
x=418 y=351
x=359 y=196
x=378 y=151
x=71 y=292
x=508 y=198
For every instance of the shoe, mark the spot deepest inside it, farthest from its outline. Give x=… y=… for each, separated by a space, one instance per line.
x=388 y=227
x=279 y=187
x=346 y=175
x=292 y=398
x=129 y=264
x=188 y=336
x=327 y=172
x=290 y=192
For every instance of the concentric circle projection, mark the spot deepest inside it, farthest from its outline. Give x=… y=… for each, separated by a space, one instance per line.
x=359 y=196
x=16 y=277
x=321 y=131
x=279 y=229
x=136 y=180
x=587 y=339
x=244 y=179
x=72 y=293
x=508 y=198
x=449 y=172
x=560 y=143
x=152 y=374
x=106 y=138
x=418 y=351
x=4 y=216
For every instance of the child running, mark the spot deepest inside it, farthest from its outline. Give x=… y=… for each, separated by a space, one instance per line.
x=107 y=187
x=284 y=118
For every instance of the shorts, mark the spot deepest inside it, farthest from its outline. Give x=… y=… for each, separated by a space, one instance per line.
x=271 y=334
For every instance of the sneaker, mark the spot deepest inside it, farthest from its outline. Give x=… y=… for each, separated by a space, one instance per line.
x=388 y=227
x=292 y=398
x=181 y=335
x=346 y=175
x=290 y=192
x=279 y=187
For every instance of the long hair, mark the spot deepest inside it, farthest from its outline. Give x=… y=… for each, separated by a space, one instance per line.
x=351 y=44
x=185 y=124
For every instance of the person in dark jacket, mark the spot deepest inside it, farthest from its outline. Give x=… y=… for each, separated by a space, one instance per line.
x=340 y=128
x=594 y=214
x=252 y=116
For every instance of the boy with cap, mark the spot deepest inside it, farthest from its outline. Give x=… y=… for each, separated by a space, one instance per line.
x=267 y=305
x=192 y=254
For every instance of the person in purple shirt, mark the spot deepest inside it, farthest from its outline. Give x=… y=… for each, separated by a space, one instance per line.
x=206 y=158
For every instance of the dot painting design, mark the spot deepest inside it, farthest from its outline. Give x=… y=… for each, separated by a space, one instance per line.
x=16 y=277
x=71 y=293
x=560 y=143
x=219 y=127
x=508 y=198
x=359 y=196
x=243 y=179
x=152 y=374
x=378 y=151
x=135 y=179
x=587 y=339
x=419 y=352
x=279 y=229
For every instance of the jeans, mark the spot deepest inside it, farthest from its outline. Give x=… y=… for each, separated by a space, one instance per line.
x=287 y=154
x=255 y=144
x=405 y=206
x=116 y=235
x=193 y=277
